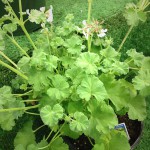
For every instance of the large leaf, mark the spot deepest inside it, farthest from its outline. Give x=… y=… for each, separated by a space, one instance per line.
x=87 y=61
x=60 y=90
x=51 y=116
x=115 y=140
x=136 y=57
x=74 y=45
x=142 y=80
x=118 y=91
x=103 y=117
x=39 y=79
x=137 y=108
x=25 y=136
x=92 y=86
x=7 y=101
x=76 y=74
x=79 y=123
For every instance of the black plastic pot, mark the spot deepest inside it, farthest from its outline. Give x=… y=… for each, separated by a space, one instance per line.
x=135 y=144
x=26 y=4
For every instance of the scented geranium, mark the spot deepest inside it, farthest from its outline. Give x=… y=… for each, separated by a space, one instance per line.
x=74 y=80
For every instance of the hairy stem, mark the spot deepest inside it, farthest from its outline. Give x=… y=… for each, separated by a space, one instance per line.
x=27 y=93
x=13 y=69
x=31 y=113
x=19 y=47
x=20 y=108
x=39 y=128
x=7 y=58
x=126 y=36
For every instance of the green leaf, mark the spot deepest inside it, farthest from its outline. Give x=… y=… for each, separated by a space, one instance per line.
x=110 y=53
x=51 y=116
x=75 y=106
x=118 y=92
x=51 y=63
x=92 y=86
x=68 y=132
x=43 y=143
x=74 y=45
x=76 y=74
x=142 y=16
x=114 y=140
x=137 y=108
x=80 y=122
x=7 y=101
x=67 y=61
x=32 y=147
x=103 y=117
x=142 y=80
x=120 y=68
x=131 y=17
x=58 y=144
x=25 y=136
x=60 y=91
x=42 y=76
x=20 y=147
x=10 y=27
x=137 y=57
x=87 y=61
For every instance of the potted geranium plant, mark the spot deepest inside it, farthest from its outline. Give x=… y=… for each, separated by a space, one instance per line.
x=74 y=80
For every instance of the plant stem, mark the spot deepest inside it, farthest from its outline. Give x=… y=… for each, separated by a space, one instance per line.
x=7 y=58
x=20 y=10
x=90 y=141
x=13 y=69
x=31 y=113
x=21 y=23
x=29 y=101
x=49 y=135
x=126 y=36
x=19 y=95
x=20 y=108
x=89 y=10
x=88 y=21
x=54 y=138
x=15 y=43
x=39 y=128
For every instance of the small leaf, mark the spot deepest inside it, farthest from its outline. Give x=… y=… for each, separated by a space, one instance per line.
x=87 y=61
x=51 y=116
x=142 y=16
x=80 y=123
x=58 y=144
x=60 y=91
x=92 y=86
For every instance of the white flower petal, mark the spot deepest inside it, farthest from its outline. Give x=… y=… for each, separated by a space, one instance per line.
x=27 y=12
x=42 y=9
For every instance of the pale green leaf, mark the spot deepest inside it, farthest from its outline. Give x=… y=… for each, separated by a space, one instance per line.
x=103 y=117
x=51 y=116
x=120 y=68
x=142 y=80
x=137 y=57
x=58 y=144
x=137 y=108
x=87 y=61
x=76 y=74
x=60 y=90
x=74 y=45
x=79 y=123
x=92 y=86
x=25 y=136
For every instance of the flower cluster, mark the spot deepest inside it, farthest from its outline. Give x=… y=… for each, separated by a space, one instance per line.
x=94 y=27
